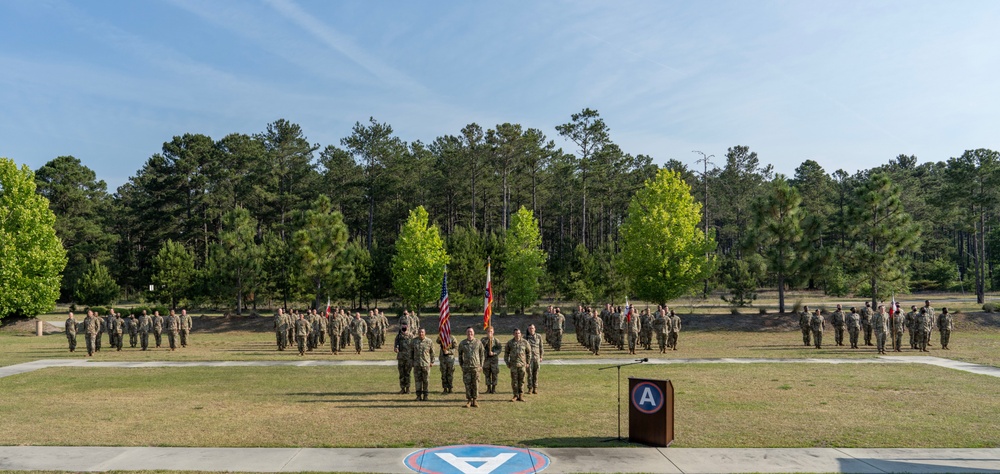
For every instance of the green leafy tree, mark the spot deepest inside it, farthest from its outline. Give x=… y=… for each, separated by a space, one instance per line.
x=663 y=251
x=324 y=266
x=418 y=266
x=776 y=232
x=31 y=255
x=884 y=236
x=237 y=260
x=525 y=260
x=173 y=273
x=97 y=287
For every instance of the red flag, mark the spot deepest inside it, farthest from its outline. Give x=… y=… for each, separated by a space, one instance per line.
x=329 y=308
x=488 y=311
x=628 y=310
x=444 y=324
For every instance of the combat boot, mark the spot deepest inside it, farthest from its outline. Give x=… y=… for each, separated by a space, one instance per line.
x=475 y=404
x=520 y=398
x=468 y=403
x=514 y=398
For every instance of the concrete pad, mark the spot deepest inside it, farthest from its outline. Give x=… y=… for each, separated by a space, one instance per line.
x=704 y=460
x=929 y=460
x=565 y=460
x=201 y=459
x=55 y=458
x=349 y=460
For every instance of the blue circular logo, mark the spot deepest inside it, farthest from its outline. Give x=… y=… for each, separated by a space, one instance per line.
x=476 y=459
x=647 y=397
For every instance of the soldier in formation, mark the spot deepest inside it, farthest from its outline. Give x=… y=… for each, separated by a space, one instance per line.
x=817 y=324
x=358 y=330
x=281 y=329
x=446 y=357
x=633 y=327
x=401 y=346
x=157 y=328
x=145 y=326
x=92 y=327
x=866 y=322
x=930 y=312
x=660 y=326
x=102 y=325
x=335 y=328
x=173 y=329
x=491 y=360
x=839 y=320
x=471 y=357
x=854 y=326
x=944 y=325
x=804 y=325
x=132 y=326
x=537 y=351
x=579 y=323
x=117 y=329
x=302 y=329
x=595 y=331
x=880 y=325
x=70 y=331
x=675 y=330
x=421 y=359
x=898 y=326
x=517 y=354
x=186 y=327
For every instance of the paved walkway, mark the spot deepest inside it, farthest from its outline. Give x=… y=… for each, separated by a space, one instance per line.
x=563 y=460
x=929 y=360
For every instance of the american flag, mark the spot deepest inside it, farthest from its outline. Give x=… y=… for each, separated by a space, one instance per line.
x=444 y=325
x=488 y=312
x=628 y=310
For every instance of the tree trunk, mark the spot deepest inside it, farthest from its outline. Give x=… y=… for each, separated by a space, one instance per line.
x=371 y=216
x=781 y=294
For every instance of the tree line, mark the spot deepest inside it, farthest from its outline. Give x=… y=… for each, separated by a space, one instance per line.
x=268 y=219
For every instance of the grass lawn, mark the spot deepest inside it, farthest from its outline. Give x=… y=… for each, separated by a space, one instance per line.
x=717 y=405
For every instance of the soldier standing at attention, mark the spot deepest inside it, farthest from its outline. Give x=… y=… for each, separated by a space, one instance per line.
x=537 y=351
x=633 y=328
x=660 y=327
x=839 y=321
x=471 y=356
x=118 y=329
x=157 y=328
x=817 y=324
x=866 y=322
x=578 y=325
x=91 y=325
x=280 y=329
x=421 y=358
x=358 y=330
x=372 y=324
x=675 y=330
x=898 y=324
x=646 y=333
x=401 y=346
x=185 y=327
x=804 y=324
x=944 y=325
x=145 y=325
x=930 y=313
x=491 y=361
x=923 y=323
x=334 y=329
x=290 y=317
x=71 y=331
x=880 y=324
x=101 y=327
x=345 y=334
x=173 y=328
x=302 y=329
x=133 y=330
x=854 y=326
x=911 y=325
x=558 y=328
x=516 y=354
x=596 y=327
x=447 y=359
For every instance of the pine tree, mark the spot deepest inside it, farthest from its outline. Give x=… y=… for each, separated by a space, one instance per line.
x=173 y=273
x=776 y=232
x=97 y=287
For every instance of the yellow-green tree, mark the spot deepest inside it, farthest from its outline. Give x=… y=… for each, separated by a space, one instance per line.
x=31 y=256
x=664 y=253
x=418 y=266
x=525 y=260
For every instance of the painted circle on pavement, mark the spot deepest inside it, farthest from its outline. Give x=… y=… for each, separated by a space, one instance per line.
x=476 y=459
x=647 y=397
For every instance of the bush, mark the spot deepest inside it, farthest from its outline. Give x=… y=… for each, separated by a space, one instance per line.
x=762 y=311
x=990 y=307
x=99 y=309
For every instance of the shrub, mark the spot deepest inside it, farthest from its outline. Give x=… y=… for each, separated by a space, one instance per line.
x=990 y=307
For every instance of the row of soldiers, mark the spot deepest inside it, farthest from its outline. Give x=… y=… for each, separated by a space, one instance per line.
x=522 y=355
x=312 y=332
x=138 y=329
x=918 y=323
x=618 y=328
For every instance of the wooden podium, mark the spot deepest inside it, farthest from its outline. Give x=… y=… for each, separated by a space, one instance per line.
x=651 y=412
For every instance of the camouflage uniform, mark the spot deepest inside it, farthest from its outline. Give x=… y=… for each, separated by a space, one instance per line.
x=280 y=331
x=133 y=330
x=491 y=363
x=923 y=324
x=596 y=328
x=646 y=332
x=158 y=328
x=854 y=328
x=70 y=331
x=880 y=325
x=421 y=358
x=537 y=352
x=930 y=328
x=578 y=326
x=633 y=328
x=324 y=321
x=358 y=330
x=101 y=329
x=911 y=326
x=898 y=326
x=944 y=325
x=401 y=346
x=447 y=360
x=173 y=328
x=558 y=328
x=839 y=320
x=618 y=329
x=334 y=329
x=92 y=326
x=817 y=324
x=471 y=356
x=370 y=334
x=866 y=324
x=516 y=354
x=675 y=329
x=804 y=325
x=660 y=327
x=119 y=329
x=302 y=329
x=185 y=329
x=314 y=329
x=145 y=325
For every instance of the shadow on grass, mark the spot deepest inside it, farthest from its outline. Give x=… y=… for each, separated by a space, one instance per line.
x=579 y=442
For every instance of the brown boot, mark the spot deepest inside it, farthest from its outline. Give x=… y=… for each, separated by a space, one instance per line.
x=513 y=399
x=519 y=398
x=468 y=403
x=475 y=404
x=534 y=391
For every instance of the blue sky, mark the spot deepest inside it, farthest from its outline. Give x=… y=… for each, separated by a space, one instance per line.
x=848 y=84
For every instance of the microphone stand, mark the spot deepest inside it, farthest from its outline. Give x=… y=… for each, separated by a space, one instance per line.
x=619 y=369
